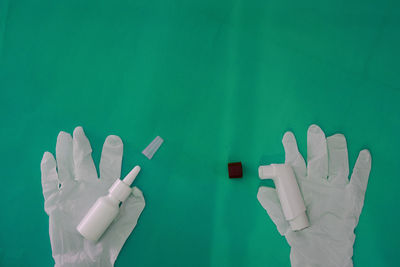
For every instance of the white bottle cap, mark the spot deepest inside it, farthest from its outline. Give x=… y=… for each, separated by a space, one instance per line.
x=300 y=222
x=152 y=148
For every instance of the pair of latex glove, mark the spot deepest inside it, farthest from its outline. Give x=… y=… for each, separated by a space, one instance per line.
x=70 y=187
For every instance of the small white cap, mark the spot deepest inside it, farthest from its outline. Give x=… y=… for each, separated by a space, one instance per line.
x=152 y=148
x=300 y=222
x=266 y=172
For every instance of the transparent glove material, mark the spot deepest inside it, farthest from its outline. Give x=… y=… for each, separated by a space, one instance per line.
x=333 y=202
x=71 y=186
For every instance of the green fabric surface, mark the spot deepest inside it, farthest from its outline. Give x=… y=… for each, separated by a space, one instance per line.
x=220 y=81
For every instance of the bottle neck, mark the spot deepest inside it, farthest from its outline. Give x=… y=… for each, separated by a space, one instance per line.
x=119 y=190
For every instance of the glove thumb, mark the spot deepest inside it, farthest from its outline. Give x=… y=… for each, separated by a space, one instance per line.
x=268 y=198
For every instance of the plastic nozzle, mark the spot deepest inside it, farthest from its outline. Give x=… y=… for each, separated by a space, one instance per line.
x=131 y=175
x=266 y=172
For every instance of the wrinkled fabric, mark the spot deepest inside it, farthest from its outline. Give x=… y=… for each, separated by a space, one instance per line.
x=71 y=186
x=333 y=202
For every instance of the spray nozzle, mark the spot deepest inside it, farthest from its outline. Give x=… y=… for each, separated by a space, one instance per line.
x=266 y=172
x=130 y=177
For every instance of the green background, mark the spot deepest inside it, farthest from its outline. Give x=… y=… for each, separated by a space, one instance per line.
x=220 y=81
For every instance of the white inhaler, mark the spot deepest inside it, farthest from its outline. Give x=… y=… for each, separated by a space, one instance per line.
x=288 y=192
x=106 y=208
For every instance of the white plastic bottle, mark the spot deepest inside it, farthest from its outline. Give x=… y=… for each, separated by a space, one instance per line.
x=288 y=192
x=106 y=208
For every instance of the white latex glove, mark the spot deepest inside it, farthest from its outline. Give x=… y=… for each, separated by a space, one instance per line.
x=71 y=186
x=333 y=202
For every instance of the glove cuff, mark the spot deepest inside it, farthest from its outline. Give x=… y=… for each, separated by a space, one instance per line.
x=317 y=259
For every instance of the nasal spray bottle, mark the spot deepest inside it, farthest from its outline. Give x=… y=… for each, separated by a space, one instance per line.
x=106 y=208
x=288 y=192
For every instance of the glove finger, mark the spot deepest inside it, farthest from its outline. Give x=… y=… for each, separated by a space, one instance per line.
x=49 y=180
x=317 y=156
x=111 y=159
x=126 y=221
x=338 y=161
x=292 y=155
x=83 y=162
x=65 y=164
x=359 y=179
x=268 y=198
